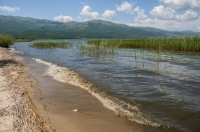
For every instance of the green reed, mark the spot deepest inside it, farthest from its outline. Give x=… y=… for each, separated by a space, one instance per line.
x=51 y=45
x=22 y=40
x=6 y=40
x=160 y=44
x=96 y=50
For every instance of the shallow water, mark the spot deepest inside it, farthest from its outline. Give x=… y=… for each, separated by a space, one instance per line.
x=151 y=89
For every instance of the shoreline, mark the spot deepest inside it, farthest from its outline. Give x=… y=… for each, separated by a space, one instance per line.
x=70 y=108
x=63 y=74
x=17 y=111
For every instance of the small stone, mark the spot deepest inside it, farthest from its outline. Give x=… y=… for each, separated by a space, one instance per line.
x=76 y=110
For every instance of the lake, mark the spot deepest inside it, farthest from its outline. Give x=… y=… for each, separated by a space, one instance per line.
x=150 y=88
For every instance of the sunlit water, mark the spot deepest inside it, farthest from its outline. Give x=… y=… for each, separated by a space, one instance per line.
x=146 y=87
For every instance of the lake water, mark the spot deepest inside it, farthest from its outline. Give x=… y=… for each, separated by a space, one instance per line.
x=160 y=90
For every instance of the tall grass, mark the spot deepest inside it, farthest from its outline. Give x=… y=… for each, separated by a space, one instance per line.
x=51 y=45
x=22 y=40
x=160 y=44
x=96 y=50
x=6 y=40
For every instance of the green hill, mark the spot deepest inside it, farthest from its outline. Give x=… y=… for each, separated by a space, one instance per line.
x=30 y=28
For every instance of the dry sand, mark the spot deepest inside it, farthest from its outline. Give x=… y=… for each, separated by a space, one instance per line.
x=7 y=102
x=17 y=112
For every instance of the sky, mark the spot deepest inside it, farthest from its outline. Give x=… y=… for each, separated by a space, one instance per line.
x=172 y=15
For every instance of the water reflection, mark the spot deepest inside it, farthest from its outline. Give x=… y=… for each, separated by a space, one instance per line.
x=165 y=85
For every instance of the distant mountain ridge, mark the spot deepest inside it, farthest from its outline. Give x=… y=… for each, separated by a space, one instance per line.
x=31 y=28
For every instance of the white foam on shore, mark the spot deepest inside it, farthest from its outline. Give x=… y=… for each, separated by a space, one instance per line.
x=121 y=108
x=12 y=50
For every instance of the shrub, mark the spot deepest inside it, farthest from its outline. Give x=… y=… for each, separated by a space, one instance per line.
x=6 y=40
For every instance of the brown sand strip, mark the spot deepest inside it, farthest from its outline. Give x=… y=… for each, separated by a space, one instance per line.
x=17 y=112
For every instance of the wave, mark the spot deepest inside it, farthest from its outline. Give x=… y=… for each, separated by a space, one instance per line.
x=12 y=50
x=120 y=107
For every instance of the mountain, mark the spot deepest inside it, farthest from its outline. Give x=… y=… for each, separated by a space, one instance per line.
x=31 y=28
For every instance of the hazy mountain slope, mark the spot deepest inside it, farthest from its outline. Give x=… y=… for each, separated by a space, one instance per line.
x=25 y=27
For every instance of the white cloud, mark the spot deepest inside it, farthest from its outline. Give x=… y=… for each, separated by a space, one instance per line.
x=178 y=25
x=181 y=4
x=62 y=18
x=86 y=12
x=171 y=25
x=173 y=15
x=82 y=3
x=109 y=14
x=198 y=27
x=125 y=7
x=9 y=9
x=161 y=12
x=188 y=15
x=141 y=18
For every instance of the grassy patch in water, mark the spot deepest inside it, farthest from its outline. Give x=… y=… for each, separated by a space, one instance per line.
x=22 y=40
x=50 y=45
x=96 y=50
x=6 y=40
x=170 y=43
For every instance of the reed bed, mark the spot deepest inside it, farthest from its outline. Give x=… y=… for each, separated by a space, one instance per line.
x=96 y=50
x=171 y=43
x=6 y=40
x=51 y=45
x=22 y=40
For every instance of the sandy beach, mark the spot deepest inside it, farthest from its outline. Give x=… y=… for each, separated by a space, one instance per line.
x=63 y=107
x=17 y=111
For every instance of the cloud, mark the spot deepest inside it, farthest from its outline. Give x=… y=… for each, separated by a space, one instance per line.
x=109 y=14
x=177 y=25
x=188 y=15
x=125 y=7
x=62 y=18
x=181 y=4
x=171 y=25
x=198 y=27
x=170 y=16
x=141 y=17
x=82 y=3
x=9 y=9
x=161 y=12
x=86 y=12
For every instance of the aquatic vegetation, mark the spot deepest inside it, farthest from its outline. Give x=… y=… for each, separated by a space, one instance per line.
x=97 y=50
x=131 y=76
x=6 y=40
x=160 y=44
x=51 y=45
x=22 y=40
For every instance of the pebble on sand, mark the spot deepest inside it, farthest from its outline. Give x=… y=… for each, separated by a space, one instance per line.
x=76 y=110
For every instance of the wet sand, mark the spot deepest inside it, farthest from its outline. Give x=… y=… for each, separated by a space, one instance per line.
x=56 y=102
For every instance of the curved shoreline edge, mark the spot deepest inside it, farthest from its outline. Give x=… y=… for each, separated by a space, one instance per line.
x=120 y=108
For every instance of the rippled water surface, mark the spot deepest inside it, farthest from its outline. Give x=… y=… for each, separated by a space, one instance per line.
x=165 y=87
